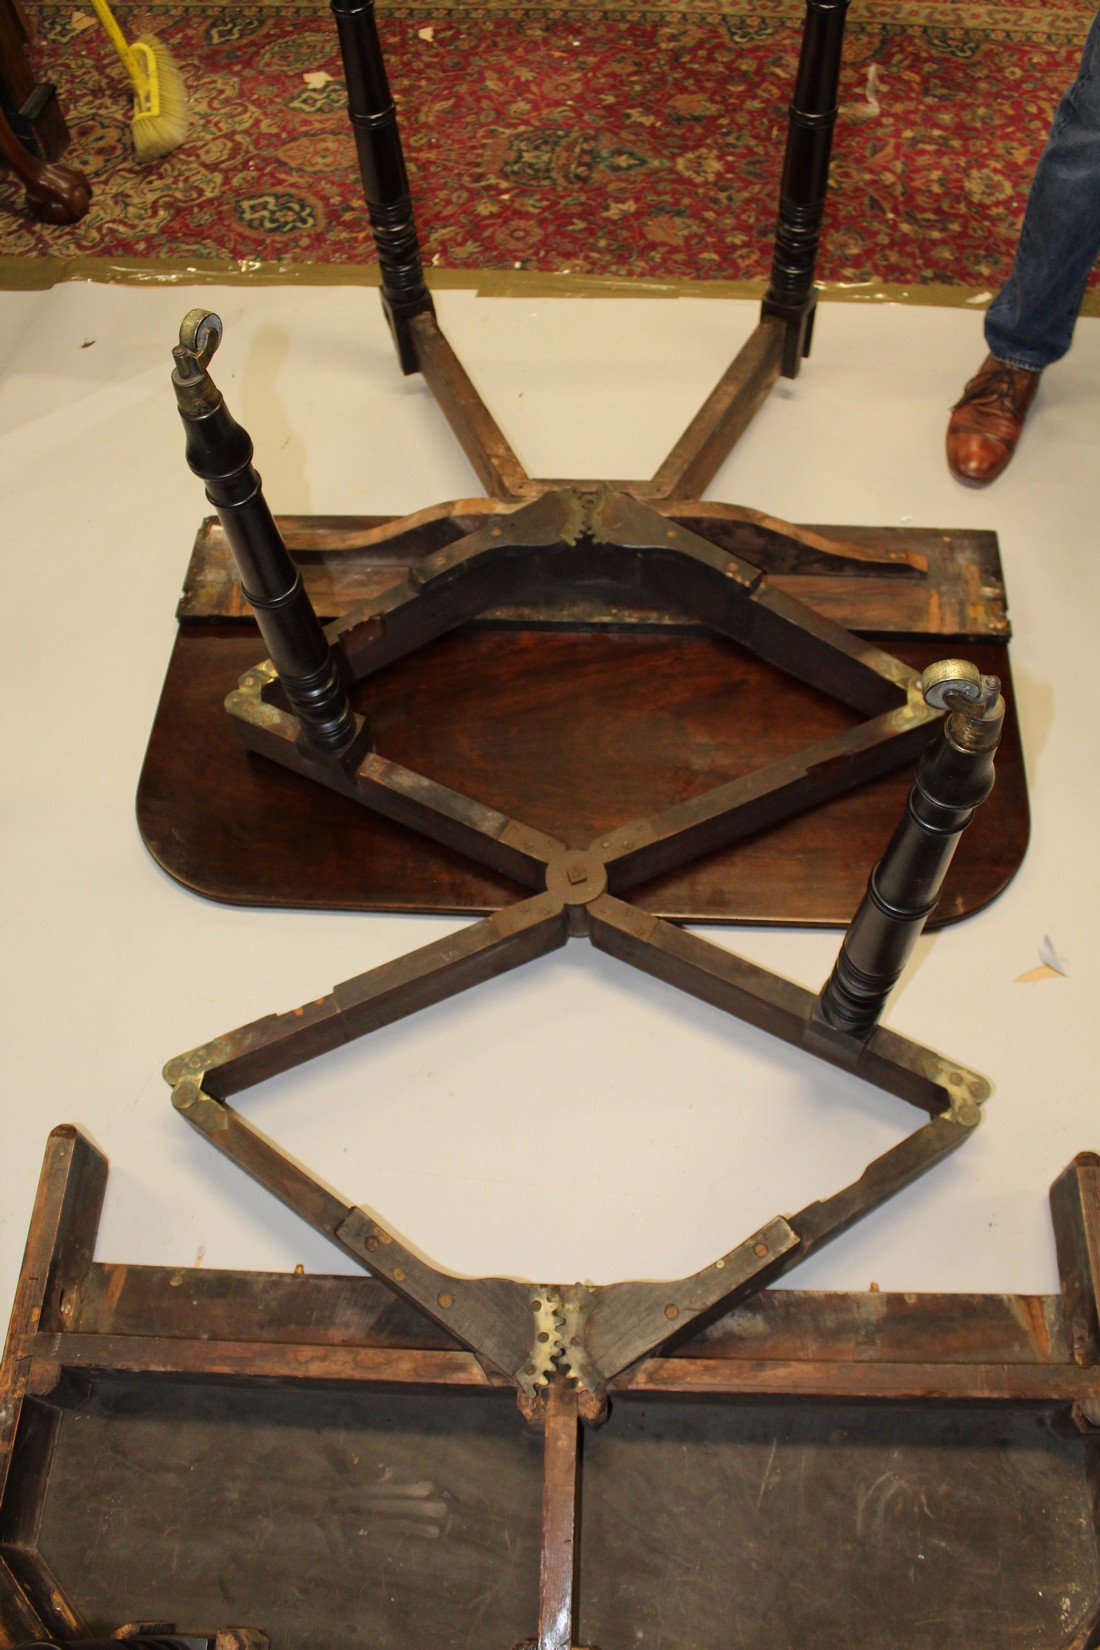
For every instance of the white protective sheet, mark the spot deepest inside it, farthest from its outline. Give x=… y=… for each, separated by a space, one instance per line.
x=574 y=1120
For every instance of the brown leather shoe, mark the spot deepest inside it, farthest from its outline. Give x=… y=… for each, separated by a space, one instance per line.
x=986 y=423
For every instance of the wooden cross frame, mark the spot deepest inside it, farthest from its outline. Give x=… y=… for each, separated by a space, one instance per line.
x=295 y=709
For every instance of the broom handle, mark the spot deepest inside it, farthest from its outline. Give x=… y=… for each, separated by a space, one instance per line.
x=117 y=39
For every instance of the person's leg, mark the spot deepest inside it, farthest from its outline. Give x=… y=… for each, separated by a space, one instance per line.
x=1030 y=323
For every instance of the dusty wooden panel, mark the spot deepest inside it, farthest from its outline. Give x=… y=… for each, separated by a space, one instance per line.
x=345 y=1520
x=332 y=1520
x=897 y=1382
x=796 y=1325
x=201 y=1304
x=244 y=1359
x=787 y=1325
x=345 y=560
x=746 y=1526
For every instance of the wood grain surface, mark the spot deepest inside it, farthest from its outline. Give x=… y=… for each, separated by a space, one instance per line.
x=573 y=732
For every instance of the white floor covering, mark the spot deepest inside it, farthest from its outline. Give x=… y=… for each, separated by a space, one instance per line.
x=573 y=1120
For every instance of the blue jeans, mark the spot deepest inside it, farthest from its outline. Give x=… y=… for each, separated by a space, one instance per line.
x=1030 y=322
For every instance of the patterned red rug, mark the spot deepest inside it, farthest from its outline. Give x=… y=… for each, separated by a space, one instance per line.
x=640 y=140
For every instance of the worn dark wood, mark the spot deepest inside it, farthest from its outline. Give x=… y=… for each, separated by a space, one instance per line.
x=537 y=726
x=332 y=1465
x=58 y=1254
x=336 y=1519
x=935 y=1352
x=36 y=115
x=791 y=295
x=757 y=1524
x=56 y=1259
x=54 y=193
x=428 y=975
x=498 y=469
x=729 y=594
x=373 y=117
x=1075 y=1210
x=885 y=581
x=21 y=1513
x=901 y=1382
x=560 y=1507
x=207 y=1360
x=623 y=1322
x=725 y=415
x=356 y=1313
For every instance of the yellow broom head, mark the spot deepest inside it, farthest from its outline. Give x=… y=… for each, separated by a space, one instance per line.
x=159 y=122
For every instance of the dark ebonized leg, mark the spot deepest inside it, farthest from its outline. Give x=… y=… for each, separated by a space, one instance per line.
x=954 y=776
x=220 y=452
x=382 y=167
x=792 y=296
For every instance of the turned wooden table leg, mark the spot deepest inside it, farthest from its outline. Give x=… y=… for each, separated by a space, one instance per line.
x=792 y=297
x=382 y=167
x=954 y=777
x=55 y=194
x=220 y=452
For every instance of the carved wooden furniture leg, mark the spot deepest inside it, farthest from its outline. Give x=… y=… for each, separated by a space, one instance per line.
x=382 y=167
x=55 y=194
x=791 y=297
x=220 y=452
x=776 y=347
x=36 y=117
x=954 y=777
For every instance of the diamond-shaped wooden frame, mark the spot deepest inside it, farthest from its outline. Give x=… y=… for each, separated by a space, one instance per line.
x=530 y=1334
x=295 y=709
